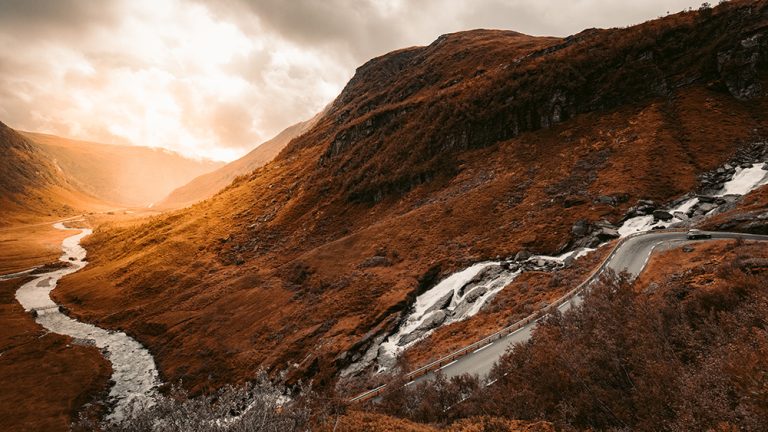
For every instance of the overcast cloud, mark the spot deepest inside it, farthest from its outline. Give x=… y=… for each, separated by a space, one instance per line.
x=215 y=78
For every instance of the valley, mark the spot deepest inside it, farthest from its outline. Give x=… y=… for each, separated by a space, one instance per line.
x=490 y=231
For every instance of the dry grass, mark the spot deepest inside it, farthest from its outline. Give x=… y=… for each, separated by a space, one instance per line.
x=213 y=290
x=46 y=379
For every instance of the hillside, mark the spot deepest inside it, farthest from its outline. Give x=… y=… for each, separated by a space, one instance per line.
x=683 y=348
x=206 y=185
x=127 y=175
x=32 y=186
x=482 y=144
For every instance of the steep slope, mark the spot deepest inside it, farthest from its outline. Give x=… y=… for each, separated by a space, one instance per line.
x=129 y=175
x=206 y=185
x=32 y=186
x=432 y=158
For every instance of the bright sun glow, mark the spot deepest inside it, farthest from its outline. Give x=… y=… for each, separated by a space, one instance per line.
x=213 y=79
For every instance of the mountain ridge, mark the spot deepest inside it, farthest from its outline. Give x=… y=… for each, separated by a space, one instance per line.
x=480 y=145
x=206 y=185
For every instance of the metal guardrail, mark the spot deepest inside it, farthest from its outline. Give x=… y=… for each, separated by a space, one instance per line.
x=437 y=364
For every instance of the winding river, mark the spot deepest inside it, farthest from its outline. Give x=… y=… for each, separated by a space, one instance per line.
x=134 y=375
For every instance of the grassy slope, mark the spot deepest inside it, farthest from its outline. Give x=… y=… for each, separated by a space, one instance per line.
x=206 y=185
x=434 y=157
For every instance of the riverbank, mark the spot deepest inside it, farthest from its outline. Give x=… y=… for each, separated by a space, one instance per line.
x=47 y=378
x=134 y=375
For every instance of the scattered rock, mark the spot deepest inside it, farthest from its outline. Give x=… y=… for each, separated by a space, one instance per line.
x=475 y=294
x=410 y=337
x=607 y=234
x=432 y=320
x=681 y=215
x=376 y=261
x=580 y=228
x=573 y=202
x=604 y=199
x=522 y=255
x=688 y=248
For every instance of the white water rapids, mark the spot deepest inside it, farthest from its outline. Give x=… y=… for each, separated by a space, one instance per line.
x=134 y=373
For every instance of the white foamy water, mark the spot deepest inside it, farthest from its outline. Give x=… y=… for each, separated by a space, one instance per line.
x=745 y=180
x=134 y=373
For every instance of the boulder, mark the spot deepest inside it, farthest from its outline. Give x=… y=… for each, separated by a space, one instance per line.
x=604 y=199
x=705 y=208
x=645 y=209
x=432 y=320
x=475 y=294
x=662 y=215
x=580 y=228
x=605 y=224
x=410 y=337
x=607 y=234
x=376 y=261
x=522 y=255
x=442 y=303
x=681 y=215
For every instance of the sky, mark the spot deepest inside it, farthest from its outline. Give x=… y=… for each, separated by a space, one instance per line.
x=215 y=78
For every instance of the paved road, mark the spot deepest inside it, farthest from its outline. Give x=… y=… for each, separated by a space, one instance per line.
x=631 y=256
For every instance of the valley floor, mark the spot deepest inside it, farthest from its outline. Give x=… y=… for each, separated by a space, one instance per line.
x=47 y=378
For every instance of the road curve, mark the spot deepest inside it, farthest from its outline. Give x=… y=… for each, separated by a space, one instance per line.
x=630 y=255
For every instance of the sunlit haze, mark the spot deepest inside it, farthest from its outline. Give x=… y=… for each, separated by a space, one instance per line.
x=214 y=79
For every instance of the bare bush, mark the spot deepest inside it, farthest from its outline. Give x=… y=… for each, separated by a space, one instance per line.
x=255 y=407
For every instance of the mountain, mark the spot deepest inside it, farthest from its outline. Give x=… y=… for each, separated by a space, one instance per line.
x=122 y=174
x=32 y=186
x=206 y=185
x=481 y=145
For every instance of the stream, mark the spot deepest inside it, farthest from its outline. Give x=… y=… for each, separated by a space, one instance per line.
x=134 y=375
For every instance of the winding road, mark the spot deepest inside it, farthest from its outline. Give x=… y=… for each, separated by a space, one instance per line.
x=630 y=255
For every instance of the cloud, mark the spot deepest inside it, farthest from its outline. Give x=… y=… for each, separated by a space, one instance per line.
x=215 y=78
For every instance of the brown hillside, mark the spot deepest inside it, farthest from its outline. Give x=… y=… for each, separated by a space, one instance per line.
x=206 y=185
x=33 y=187
x=128 y=175
x=478 y=145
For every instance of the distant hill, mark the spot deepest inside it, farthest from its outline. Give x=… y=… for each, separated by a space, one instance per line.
x=123 y=174
x=32 y=185
x=207 y=185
